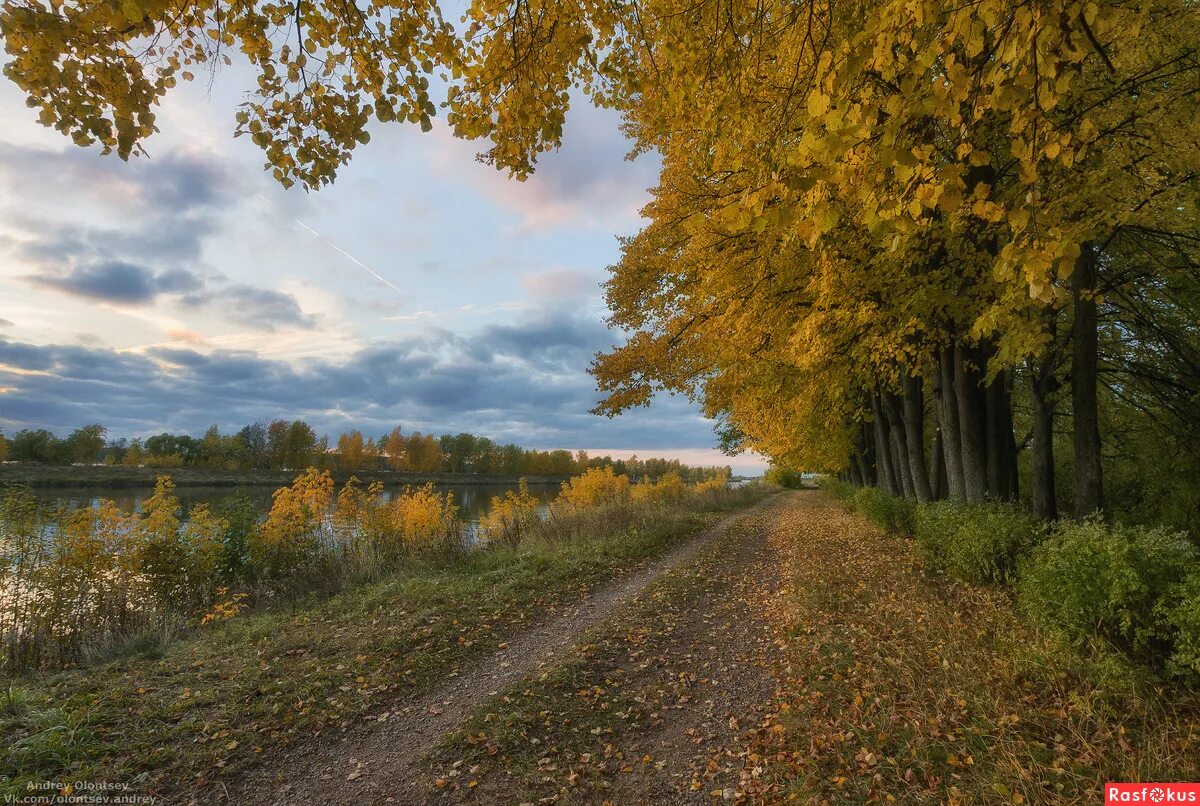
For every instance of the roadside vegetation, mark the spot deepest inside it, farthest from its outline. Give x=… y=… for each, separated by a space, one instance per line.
x=1132 y=590
x=346 y=604
x=906 y=682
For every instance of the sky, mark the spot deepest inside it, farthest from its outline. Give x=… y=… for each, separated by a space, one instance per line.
x=423 y=289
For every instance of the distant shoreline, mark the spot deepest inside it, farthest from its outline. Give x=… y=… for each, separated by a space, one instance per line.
x=50 y=476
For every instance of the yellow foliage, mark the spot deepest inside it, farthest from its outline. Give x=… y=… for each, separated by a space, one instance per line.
x=177 y=560
x=668 y=489
x=295 y=527
x=365 y=519
x=421 y=515
x=509 y=516
x=595 y=487
x=711 y=485
x=225 y=607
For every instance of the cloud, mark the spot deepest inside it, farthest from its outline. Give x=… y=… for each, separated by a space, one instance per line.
x=259 y=308
x=168 y=208
x=560 y=284
x=186 y=337
x=586 y=183
x=521 y=382
x=123 y=283
x=119 y=282
x=180 y=182
x=5 y=323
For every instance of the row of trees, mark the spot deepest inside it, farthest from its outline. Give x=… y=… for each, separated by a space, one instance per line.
x=941 y=244
x=284 y=444
x=82 y=445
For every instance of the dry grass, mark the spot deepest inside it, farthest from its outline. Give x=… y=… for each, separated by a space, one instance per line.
x=902 y=686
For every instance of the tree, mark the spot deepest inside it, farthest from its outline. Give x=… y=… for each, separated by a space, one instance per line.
x=277 y=448
x=300 y=445
x=350 y=451
x=458 y=450
x=96 y=73
x=3 y=447
x=135 y=455
x=166 y=444
x=254 y=439
x=394 y=449
x=36 y=446
x=84 y=444
x=424 y=453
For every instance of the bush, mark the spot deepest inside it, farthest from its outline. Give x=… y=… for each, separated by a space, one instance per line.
x=241 y=516
x=889 y=511
x=509 y=518
x=1179 y=614
x=978 y=543
x=297 y=526
x=1093 y=579
x=841 y=490
x=594 y=488
x=669 y=489
x=789 y=479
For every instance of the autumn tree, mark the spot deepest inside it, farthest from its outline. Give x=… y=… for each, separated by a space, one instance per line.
x=394 y=449
x=350 y=450
x=84 y=444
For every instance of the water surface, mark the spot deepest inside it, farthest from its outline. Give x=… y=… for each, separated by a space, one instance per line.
x=473 y=500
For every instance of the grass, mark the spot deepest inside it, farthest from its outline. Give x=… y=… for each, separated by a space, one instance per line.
x=179 y=715
x=905 y=686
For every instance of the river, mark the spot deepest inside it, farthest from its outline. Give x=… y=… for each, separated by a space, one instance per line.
x=473 y=500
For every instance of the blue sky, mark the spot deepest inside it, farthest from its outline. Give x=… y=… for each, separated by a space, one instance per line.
x=424 y=289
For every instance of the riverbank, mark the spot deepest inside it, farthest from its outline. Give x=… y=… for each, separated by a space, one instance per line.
x=40 y=476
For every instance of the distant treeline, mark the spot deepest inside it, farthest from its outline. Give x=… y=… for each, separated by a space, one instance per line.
x=288 y=444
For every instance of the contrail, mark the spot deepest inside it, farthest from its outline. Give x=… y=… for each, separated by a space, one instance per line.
x=351 y=258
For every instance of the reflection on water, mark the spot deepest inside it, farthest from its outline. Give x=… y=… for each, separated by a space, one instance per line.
x=473 y=500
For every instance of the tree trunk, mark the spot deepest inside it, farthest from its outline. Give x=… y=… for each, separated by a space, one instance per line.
x=883 y=456
x=1089 y=482
x=891 y=408
x=1014 y=477
x=870 y=472
x=969 y=399
x=1042 y=384
x=914 y=436
x=949 y=428
x=1001 y=443
x=855 y=471
x=937 y=463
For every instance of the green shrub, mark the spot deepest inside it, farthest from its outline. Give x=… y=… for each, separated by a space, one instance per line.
x=889 y=511
x=789 y=479
x=841 y=490
x=1179 y=613
x=1091 y=579
x=241 y=515
x=973 y=542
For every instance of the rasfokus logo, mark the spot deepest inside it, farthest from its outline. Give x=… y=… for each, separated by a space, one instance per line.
x=1151 y=793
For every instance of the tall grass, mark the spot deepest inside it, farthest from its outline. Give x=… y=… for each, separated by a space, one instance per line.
x=79 y=583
